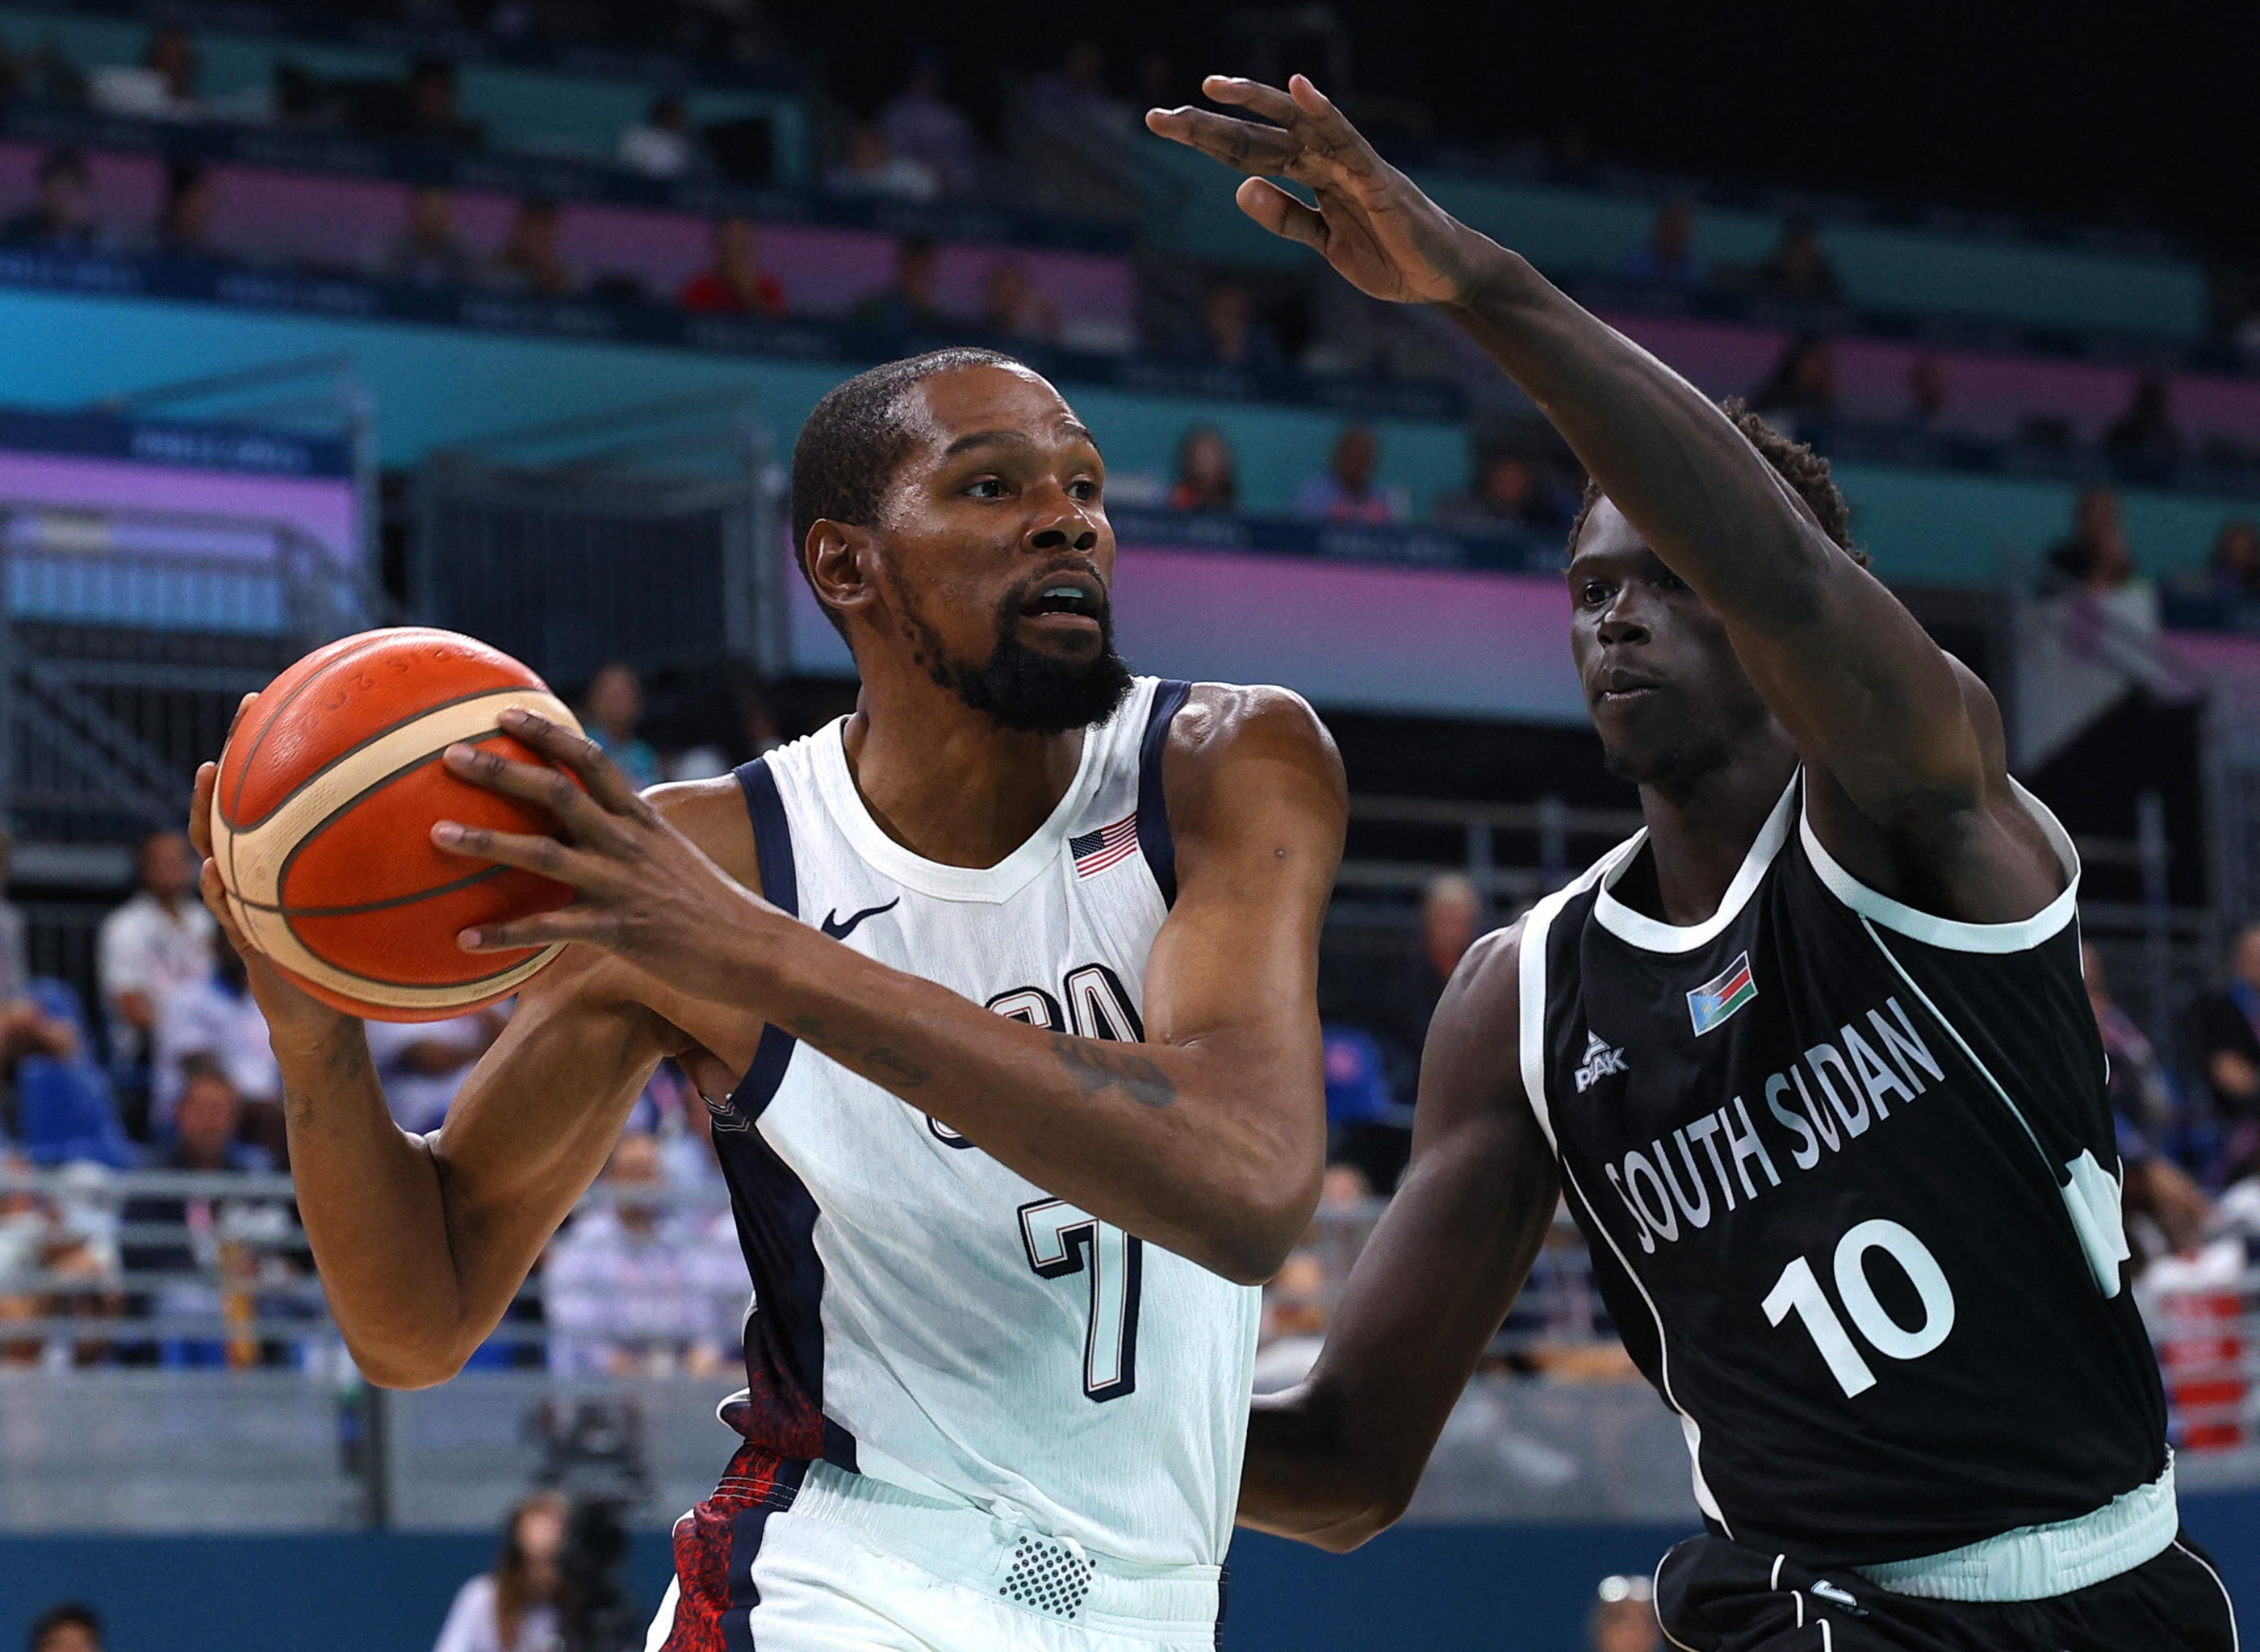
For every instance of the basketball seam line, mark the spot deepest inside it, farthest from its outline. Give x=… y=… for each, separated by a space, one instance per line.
x=367 y=740
x=409 y=899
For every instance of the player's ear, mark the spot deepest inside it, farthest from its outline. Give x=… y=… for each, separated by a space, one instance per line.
x=842 y=565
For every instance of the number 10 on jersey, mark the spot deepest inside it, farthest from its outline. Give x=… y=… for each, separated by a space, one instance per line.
x=1060 y=1240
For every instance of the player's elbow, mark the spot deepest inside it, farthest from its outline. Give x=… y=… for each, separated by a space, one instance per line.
x=407 y=1363
x=1267 y=1222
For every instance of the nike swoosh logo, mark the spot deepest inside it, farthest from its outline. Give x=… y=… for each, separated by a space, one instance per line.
x=838 y=931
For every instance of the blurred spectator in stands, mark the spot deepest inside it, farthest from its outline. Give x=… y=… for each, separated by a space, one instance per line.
x=1451 y=917
x=2095 y=559
x=1801 y=392
x=227 y=1243
x=634 y=1290
x=872 y=166
x=422 y=1064
x=513 y=1608
x=921 y=125
x=1074 y=92
x=432 y=112
x=1208 y=477
x=25 y=1029
x=1510 y=490
x=425 y=249
x=184 y=221
x=1346 y=490
x=60 y=218
x=68 y=1626
x=216 y=1020
x=1927 y=393
x=2147 y=1110
x=2143 y=443
x=1624 y=1617
x=1797 y=268
x=1012 y=309
x=529 y=260
x=734 y=283
x=163 y=86
x=662 y=145
x=611 y=710
x=907 y=303
x=2227 y=1038
x=1233 y=335
x=149 y=948
x=1668 y=260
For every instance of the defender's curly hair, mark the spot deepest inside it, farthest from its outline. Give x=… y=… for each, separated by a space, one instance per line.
x=854 y=440
x=1806 y=471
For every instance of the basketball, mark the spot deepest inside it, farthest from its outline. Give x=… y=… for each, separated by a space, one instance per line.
x=321 y=814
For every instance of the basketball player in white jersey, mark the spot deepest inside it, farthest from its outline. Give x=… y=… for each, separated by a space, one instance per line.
x=1002 y=991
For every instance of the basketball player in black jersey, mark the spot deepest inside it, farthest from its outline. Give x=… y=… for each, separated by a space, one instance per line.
x=1809 y=1058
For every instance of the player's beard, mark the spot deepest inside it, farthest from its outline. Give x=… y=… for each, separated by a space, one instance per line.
x=1022 y=688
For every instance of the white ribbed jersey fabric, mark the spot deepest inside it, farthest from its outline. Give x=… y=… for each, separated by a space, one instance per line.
x=961 y=1332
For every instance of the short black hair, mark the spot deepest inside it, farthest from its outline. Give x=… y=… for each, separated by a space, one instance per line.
x=854 y=440
x=63 y=1614
x=1806 y=471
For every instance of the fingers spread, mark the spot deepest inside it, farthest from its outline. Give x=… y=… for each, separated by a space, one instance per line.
x=1281 y=213
x=1244 y=144
x=578 y=753
x=1267 y=101
x=1325 y=128
x=568 y=923
x=532 y=782
x=543 y=854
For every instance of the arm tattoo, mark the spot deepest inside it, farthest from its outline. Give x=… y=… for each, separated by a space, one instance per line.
x=1094 y=1066
x=882 y=1064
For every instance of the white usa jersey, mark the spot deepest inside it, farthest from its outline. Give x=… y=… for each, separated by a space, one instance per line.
x=923 y=1314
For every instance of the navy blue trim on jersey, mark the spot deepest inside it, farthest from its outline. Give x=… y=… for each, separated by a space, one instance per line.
x=776 y=1213
x=1161 y=850
x=1223 y=1579
x=781 y=888
x=745 y=1534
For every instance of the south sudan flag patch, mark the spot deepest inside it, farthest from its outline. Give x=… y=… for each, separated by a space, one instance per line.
x=1711 y=1004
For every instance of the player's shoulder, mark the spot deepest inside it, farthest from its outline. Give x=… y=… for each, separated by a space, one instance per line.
x=712 y=814
x=1486 y=987
x=1222 y=726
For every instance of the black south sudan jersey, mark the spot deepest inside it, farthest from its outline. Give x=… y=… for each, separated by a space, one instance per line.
x=1847 y=1174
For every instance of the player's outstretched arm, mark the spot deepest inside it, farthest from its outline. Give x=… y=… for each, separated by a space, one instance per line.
x=1208 y=1137
x=1911 y=738
x=421 y=1242
x=1336 y=1460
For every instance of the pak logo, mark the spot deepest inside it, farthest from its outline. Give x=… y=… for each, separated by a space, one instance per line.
x=1600 y=1062
x=1714 y=1003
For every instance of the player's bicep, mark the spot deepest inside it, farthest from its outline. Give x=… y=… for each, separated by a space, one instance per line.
x=1258 y=808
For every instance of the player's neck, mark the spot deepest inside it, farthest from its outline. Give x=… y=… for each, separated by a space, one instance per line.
x=1700 y=829
x=947 y=781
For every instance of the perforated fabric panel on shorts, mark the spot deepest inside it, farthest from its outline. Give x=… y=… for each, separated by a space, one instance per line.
x=1048 y=1578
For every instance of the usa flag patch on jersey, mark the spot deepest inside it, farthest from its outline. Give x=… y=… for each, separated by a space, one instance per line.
x=1094 y=851
x=1711 y=1004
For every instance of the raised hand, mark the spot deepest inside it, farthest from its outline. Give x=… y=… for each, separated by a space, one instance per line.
x=1372 y=224
x=647 y=893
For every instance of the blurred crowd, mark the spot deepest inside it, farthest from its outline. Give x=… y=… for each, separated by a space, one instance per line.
x=176 y=1073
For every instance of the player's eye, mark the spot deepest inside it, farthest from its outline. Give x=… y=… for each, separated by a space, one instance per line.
x=1668 y=581
x=1593 y=593
x=987 y=488
x=1082 y=488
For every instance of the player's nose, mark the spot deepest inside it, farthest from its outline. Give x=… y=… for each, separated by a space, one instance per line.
x=1064 y=524
x=1624 y=620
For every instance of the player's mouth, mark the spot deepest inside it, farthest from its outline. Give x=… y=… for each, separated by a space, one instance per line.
x=1624 y=688
x=1066 y=604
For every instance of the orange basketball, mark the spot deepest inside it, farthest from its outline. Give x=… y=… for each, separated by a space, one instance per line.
x=322 y=817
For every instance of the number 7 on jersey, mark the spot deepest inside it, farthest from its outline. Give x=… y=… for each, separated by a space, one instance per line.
x=1062 y=1240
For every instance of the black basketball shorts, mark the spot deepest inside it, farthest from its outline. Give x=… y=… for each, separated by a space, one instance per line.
x=1716 y=1596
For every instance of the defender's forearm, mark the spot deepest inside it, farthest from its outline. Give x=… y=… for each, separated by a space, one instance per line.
x=1213 y=1152
x=1680 y=472
x=370 y=1199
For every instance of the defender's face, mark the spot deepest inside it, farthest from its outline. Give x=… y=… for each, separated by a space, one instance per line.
x=995 y=529
x=1667 y=694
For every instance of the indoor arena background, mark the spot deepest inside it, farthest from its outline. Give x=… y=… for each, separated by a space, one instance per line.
x=501 y=315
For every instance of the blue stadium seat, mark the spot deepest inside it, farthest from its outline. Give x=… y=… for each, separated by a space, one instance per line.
x=1357 y=1082
x=67 y=1113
